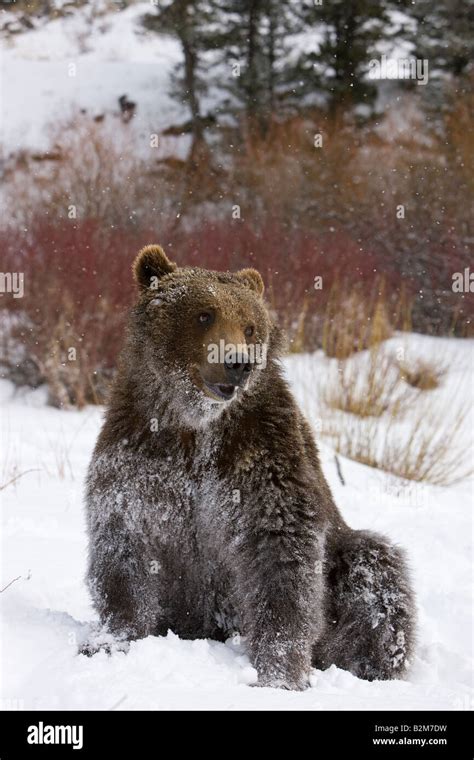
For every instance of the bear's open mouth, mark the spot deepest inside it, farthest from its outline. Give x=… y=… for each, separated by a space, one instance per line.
x=221 y=390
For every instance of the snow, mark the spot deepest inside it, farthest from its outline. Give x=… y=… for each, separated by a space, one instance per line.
x=70 y=64
x=46 y=612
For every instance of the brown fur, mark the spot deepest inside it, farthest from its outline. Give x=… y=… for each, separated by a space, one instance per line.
x=208 y=516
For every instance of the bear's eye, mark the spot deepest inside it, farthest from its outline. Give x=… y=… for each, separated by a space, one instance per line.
x=249 y=331
x=205 y=318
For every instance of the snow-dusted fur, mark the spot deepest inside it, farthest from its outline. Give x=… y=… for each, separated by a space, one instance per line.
x=210 y=517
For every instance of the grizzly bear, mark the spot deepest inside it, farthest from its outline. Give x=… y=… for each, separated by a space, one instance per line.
x=208 y=511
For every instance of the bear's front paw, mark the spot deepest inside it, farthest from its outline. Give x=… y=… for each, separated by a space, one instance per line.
x=279 y=682
x=101 y=640
x=283 y=664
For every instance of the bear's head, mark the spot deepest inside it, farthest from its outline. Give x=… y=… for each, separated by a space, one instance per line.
x=205 y=334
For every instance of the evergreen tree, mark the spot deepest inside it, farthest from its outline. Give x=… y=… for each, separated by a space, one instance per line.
x=251 y=38
x=346 y=34
x=187 y=20
x=444 y=36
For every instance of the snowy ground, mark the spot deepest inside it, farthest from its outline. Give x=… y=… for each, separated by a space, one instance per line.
x=45 y=611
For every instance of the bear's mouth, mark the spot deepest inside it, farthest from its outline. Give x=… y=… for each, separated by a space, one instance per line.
x=221 y=390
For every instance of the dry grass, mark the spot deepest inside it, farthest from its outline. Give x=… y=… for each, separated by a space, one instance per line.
x=13 y=480
x=425 y=447
x=89 y=172
x=297 y=340
x=368 y=386
x=356 y=326
x=422 y=374
x=373 y=408
x=353 y=321
x=409 y=436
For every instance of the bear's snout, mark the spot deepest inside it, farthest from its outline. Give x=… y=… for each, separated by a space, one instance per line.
x=227 y=367
x=237 y=371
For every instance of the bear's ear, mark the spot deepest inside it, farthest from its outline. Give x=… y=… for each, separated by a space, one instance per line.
x=151 y=262
x=252 y=279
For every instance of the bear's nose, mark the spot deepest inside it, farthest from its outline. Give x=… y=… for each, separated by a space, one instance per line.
x=237 y=371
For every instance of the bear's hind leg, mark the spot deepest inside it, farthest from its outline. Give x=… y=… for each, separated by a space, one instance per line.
x=369 y=609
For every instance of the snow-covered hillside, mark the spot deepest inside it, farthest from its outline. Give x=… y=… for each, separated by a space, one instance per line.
x=83 y=62
x=90 y=57
x=46 y=613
